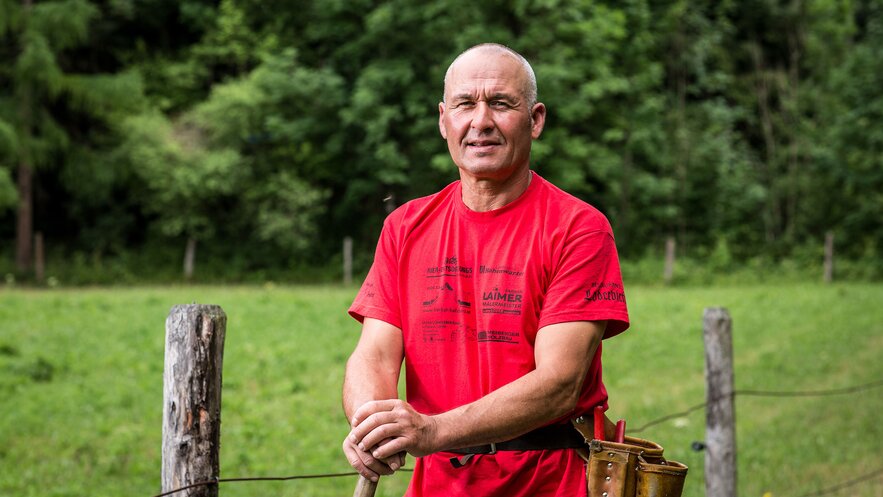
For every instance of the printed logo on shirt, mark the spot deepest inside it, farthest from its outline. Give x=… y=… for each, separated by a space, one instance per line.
x=608 y=292
x=435 y=330
x=443 y=330
x=507 y=301
x=498 y=336
x=499 y=270
x=446 y=300
x=449 y=267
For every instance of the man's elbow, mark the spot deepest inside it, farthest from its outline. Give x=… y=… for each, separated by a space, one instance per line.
x=564 y=397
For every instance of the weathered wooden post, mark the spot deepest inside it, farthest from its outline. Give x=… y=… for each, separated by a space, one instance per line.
x=189 y=258
x=669 y=260
x=829 y=257
x=720 y=415
x=191 y=427
x=348 y=260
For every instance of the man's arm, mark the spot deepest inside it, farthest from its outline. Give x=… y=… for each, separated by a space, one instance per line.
x=563 y=353
x=372 y=373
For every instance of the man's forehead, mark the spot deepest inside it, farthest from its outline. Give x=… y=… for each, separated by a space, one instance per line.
x=487 y=63
x=496 y=72
x=481 y=88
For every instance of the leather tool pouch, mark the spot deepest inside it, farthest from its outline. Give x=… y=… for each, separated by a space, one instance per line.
x=634 y=468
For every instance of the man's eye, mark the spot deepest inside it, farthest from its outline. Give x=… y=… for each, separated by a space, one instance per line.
x=499 y=104
x=465 y=105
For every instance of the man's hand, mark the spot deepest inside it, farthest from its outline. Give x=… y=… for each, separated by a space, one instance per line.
x=388 y=427
x=369 y=466
x=372 y=372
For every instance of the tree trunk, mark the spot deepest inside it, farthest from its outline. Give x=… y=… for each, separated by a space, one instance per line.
x=772 y=214
x=24 y=225
x=24 y=228
x=682 y=136
x=795 y=46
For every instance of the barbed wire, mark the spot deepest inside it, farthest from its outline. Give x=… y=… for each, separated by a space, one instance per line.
x=812 y=393
x=847 y=484
x=739 y=392
x=830 y=490
x=217 y=481
x=762 y=393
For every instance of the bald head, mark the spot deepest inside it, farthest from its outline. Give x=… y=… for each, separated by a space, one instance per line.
x=529 y=91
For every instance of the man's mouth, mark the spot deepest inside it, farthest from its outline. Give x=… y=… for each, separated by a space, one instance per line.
x=482 y=145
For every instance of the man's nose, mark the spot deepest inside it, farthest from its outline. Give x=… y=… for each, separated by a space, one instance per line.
x=482 y=119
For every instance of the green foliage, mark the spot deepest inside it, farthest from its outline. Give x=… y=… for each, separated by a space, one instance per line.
x=286 y=211
x=185 y=182
x=749 y=124
x=64 y=23
x=854 y=164
x=8 y=195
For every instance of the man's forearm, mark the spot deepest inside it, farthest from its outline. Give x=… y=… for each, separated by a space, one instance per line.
x=365 y=381
x=521 y=406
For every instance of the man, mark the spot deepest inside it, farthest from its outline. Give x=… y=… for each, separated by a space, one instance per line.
x=496 y=293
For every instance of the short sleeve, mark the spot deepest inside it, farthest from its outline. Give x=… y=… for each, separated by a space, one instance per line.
x=586 y=284
x=378 y=297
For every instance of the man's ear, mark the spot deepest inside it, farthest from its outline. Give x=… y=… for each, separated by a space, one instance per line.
x=441 y=120
x=537 y=120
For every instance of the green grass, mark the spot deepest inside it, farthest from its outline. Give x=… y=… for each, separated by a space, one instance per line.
x=81 y=385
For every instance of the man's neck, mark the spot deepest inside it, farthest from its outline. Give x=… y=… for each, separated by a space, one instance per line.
x=483 y=194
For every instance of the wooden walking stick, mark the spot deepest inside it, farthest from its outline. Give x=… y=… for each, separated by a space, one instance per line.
x=365 y=487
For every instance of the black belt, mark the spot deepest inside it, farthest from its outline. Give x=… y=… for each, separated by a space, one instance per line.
x=552 y=437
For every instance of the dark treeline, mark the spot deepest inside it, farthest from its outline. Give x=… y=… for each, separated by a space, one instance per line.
x=260 y=133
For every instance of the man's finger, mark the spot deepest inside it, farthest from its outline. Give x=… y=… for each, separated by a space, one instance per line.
x=369 y=408
x=395 y=461
x=391 y=449
x=374 y=438
x=366 y=464
x=375 y=421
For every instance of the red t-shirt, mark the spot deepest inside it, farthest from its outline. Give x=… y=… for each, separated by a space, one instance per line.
x=470 y=290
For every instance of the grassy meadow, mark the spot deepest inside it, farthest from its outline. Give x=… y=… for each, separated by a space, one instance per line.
x=81 y=386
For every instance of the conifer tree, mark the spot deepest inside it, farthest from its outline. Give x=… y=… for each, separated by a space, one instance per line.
x=36 y=82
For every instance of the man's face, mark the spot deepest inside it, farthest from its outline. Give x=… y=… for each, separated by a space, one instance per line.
x=486 y=118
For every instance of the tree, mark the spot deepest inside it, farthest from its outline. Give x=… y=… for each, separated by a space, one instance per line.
x=40 y=83
x=851 y=166
x=187 y=185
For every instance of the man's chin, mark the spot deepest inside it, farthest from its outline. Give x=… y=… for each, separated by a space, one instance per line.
x=486 y=169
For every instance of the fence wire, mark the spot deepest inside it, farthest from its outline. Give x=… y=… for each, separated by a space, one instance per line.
x=738 y=392
x=762 y=393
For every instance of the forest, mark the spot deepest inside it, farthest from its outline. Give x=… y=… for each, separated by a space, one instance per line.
x=255 y=135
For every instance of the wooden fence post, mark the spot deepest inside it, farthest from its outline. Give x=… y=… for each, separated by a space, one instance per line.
x=189 y=258
x=720 y=415
x=829 y=257
x=347 y=261
x=194 y=357
x=669 y=272
x=39 y=258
